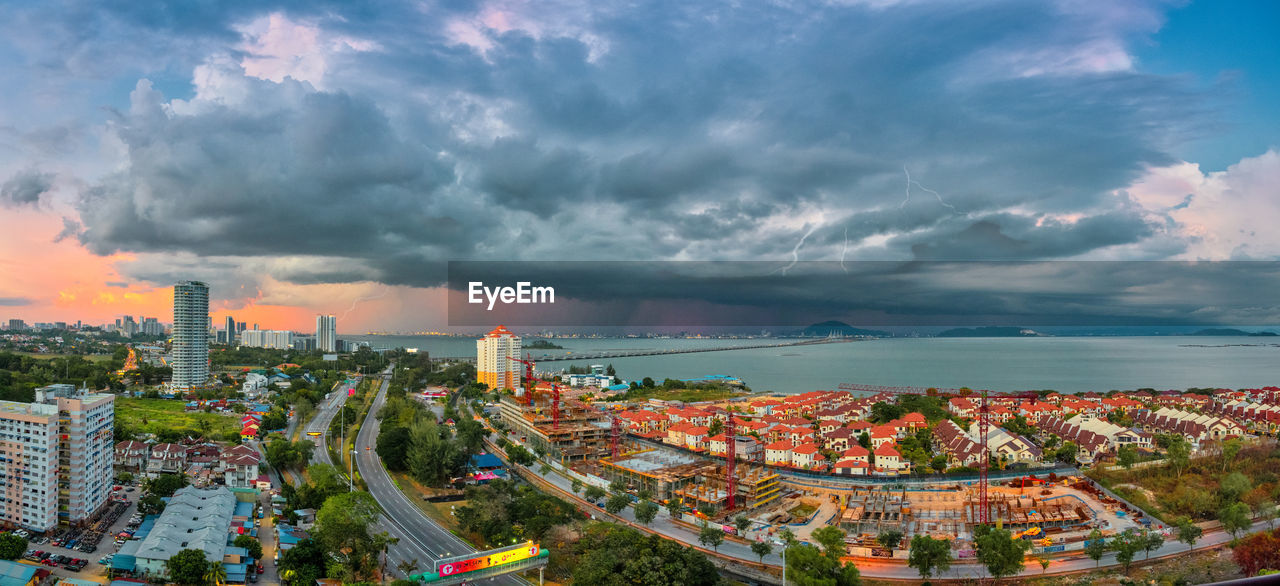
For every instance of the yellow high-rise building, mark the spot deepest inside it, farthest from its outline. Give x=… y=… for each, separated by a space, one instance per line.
x=494 y=364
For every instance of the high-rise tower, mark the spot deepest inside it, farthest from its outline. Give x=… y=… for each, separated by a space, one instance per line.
x=190 y=334
x=327 y=333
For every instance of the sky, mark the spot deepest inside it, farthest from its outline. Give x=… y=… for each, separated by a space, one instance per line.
x=330 y=157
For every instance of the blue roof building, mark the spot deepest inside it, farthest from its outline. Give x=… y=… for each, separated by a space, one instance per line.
x=16 y=574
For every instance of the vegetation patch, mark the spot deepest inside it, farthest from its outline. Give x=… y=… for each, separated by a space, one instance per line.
x=167 y=417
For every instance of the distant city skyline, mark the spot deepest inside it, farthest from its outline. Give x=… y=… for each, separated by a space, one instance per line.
x=320 y=159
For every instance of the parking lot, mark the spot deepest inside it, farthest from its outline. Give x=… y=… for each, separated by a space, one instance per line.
x=114 y=520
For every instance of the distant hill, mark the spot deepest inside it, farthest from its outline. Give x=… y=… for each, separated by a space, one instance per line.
x=1229 y=332
x=543 y=345
x=839 y=328
x=990 y=332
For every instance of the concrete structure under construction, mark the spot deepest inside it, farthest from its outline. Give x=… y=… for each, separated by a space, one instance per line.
x=695 y=480
x=582 y=433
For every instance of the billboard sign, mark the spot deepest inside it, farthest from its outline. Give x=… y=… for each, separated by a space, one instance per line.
x=488 y=559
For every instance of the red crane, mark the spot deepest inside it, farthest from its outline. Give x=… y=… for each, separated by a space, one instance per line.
x=528 y=363
x=731 y=459
x=984 y=509
x=555 y=406
x=615 y=438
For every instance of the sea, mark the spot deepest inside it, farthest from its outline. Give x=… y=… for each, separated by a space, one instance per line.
x=1064 y=364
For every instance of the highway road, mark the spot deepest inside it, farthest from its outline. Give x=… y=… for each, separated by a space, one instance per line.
x=407 y=549
x=417 y=532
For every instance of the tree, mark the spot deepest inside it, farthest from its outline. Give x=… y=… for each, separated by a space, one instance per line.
x=614 y=555
x=715 y=427
x=393 y=447
x=674 y=506
x=1230 y=449
x=1178 y=454
x=616 y=503
x=520 y=455
x=832 y=540
x=215 y=573
x=1044 y=562
x=1095 y=547
x=617 y=487
x=882 y=412
x=1154 y=541
x=889 y=538
x=807 y=565
x=1234 y=486
x=1258 y=552
x=251 y=544
x=575 y=486
x=999 y=551
x=645 y=512
x=711 y=536
x=125 y=477
x=1127 y=456
x=1267 y=512
x=1235 y=519
x=343 y=526
x=188 y=567
x=594 y=493
x=1189 y=532
x=741 y=522
x=303 y=564
x=166 y=484
x=150 y=505
x=929 y=555
x=1126 y=545
x=761 y=549
x=788 y=537
x=1067 y=453
x=707 y=509
x=12 y=546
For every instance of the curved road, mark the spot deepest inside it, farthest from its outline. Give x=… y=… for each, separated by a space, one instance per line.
x=421 y=538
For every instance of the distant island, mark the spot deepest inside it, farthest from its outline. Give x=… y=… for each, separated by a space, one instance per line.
x=542 y=345
x=839 y=328
x=1229 y=332
x=990 y=332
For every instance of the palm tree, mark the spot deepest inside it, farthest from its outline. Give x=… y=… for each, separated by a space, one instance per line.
x=216 y=574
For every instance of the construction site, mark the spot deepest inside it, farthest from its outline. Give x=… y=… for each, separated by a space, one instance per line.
x=1055 y=513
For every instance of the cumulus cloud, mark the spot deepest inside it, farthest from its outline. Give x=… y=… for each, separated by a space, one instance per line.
x=25 y=188
x=1223 y=214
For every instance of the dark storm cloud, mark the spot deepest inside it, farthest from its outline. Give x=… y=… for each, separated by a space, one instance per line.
x=650 y=130
x=25 y=188
x=14 y=301
x=933 y=293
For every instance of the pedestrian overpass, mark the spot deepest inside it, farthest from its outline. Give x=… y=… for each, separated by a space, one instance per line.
x=465 y=569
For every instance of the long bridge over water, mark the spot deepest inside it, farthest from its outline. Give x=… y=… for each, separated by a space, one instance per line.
x=657 y=352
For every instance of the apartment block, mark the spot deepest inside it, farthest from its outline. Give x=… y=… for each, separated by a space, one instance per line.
x=56 y=457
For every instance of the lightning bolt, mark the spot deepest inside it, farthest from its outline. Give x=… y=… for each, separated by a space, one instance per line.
x=795 y=252
x=845 y=249
x=922 y=188
x=359 y=299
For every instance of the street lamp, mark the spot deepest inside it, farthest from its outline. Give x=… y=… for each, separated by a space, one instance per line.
x=351 y=469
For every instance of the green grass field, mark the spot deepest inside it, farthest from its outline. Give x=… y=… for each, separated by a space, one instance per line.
x=153 y=415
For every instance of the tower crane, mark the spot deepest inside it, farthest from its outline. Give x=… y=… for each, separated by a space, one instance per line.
x=984 y=512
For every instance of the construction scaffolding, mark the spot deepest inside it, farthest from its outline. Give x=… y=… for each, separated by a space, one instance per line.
x=661 y=472
x=1022 y=511
x=582 y=433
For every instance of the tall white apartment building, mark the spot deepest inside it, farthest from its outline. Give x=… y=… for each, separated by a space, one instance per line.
x=56 y=457
x=190 y=334
x=494 y=366
x=327 y=333
x=278 y=339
